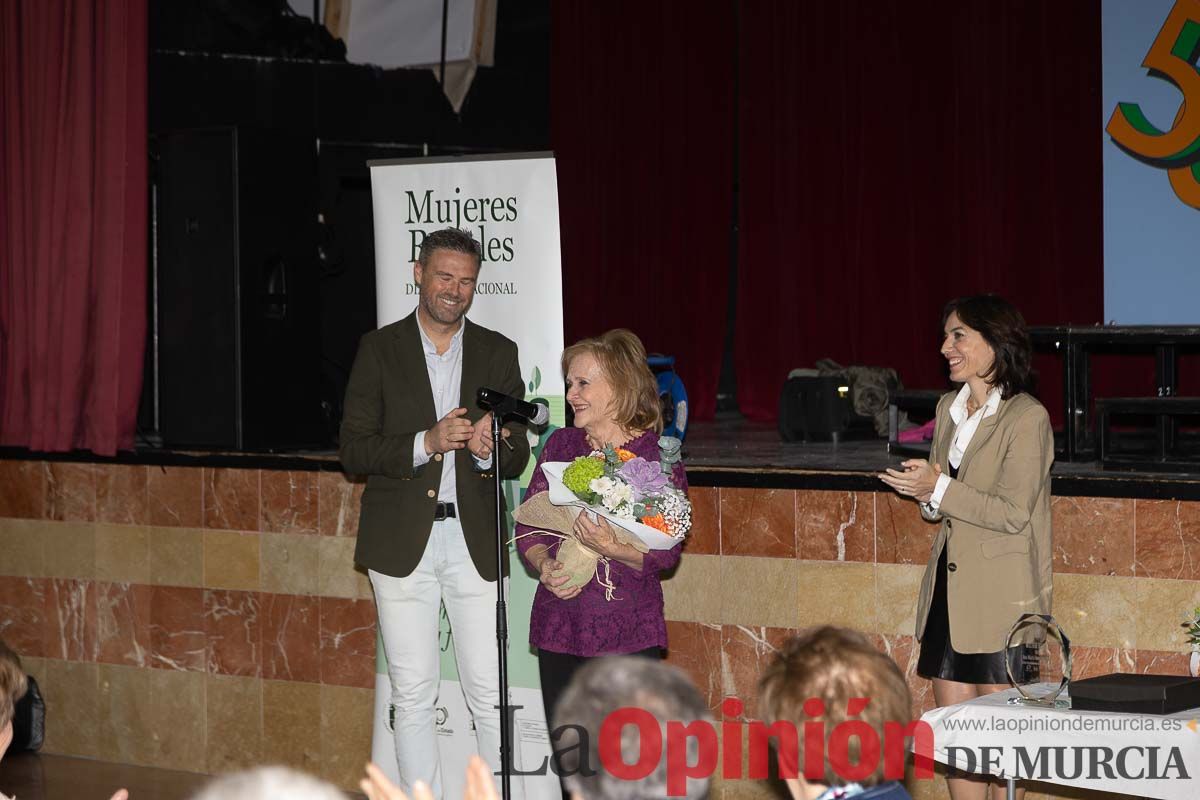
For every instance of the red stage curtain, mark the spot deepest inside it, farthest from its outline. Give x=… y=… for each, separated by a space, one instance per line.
x=72 y=222
x=642 y=122
x=897 y=154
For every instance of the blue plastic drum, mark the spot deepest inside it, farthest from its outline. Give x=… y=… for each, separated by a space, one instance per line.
x=671 y=395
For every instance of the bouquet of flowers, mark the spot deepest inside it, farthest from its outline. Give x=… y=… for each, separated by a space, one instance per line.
x=632 y=493
x=628 y=488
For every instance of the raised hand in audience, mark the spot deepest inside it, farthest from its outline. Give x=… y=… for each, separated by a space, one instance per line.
x=377 y=786
x=480 y=785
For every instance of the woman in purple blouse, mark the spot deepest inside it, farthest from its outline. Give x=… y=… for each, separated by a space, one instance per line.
x=615 y=400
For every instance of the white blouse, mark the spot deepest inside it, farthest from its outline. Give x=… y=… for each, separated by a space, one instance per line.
x=965 y=427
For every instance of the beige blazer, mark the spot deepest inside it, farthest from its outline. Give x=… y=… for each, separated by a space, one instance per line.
x=995 y=524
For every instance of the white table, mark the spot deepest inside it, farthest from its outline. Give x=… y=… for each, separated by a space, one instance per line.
x=1147 y=755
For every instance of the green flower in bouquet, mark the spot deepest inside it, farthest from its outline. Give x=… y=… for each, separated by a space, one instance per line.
x=579 y=476
x=1191 y=625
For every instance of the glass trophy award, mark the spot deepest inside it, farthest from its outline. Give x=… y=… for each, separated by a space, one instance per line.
x=1039 y=661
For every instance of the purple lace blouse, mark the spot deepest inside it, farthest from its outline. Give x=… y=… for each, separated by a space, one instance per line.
x=587 y=624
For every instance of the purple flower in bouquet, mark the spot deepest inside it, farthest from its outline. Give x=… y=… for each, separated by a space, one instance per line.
x=643 y=476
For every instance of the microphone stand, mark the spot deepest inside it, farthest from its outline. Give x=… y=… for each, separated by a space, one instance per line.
x=501 y=617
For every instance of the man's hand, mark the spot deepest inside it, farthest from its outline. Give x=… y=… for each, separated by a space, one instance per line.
x=481 y=444
x=452 y=432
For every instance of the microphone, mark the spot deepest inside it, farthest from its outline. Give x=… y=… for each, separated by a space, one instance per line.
x=500 y=403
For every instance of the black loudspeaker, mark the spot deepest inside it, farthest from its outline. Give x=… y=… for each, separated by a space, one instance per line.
x=814 y=408
x=235 y=348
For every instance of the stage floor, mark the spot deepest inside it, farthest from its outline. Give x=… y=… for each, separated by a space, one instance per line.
x=733 y=442
x=734 y=452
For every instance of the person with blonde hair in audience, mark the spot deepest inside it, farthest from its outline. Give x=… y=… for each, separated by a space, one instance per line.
x=823 y=675
x=12 y=688
x=13 y=685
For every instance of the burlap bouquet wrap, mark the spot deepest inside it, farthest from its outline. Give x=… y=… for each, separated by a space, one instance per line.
x=579 y=562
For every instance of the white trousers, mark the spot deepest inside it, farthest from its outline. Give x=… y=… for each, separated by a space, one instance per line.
x=409 y=609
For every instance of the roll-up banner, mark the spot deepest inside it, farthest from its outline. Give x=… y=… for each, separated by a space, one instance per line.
x=509 y=202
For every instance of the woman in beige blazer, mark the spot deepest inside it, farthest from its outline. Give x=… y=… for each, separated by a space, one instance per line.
x=988 y=481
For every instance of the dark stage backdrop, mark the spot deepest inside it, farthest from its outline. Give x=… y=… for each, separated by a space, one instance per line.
x=642 y=121
x=897 y=154
x=72 y=222
x=891 y=155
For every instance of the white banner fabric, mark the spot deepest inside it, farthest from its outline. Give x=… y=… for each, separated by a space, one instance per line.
x=510 y=204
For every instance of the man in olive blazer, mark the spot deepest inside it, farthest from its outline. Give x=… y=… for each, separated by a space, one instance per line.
x=995 y=524
x=388 y=401
x=427 y=532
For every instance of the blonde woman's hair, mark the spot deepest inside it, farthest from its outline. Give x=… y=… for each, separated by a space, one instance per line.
x=13 y=683
x=834 y=665
x=622 y=358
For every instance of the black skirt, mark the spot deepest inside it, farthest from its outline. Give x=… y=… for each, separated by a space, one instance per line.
x=939 y=660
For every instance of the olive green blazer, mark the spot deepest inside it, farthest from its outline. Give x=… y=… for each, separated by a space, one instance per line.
x=388 y=401
x=995 y=524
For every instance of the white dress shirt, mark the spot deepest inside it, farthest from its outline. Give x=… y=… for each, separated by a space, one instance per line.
x=965 y=427
x=445 y=379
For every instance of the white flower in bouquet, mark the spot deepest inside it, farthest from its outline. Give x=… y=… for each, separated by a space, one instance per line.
x=617 y=499
x=626 y=487
x=677 y=512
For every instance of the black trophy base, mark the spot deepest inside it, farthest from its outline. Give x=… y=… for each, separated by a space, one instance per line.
x=1136 y=694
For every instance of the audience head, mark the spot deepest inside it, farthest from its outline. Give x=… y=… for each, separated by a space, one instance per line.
x=833 y=665
x=605 y=685
x=269 y=783
x=609 y=381
x=1003 y=328
x=13 y=685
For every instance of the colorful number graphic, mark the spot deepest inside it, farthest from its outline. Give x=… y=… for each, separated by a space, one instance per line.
x=1172 y=57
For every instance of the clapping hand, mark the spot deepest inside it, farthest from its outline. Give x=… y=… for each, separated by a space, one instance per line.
x=481 y=443
x=377 y=786
x=917 y=480
x=452 y=432
x=480 y=786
